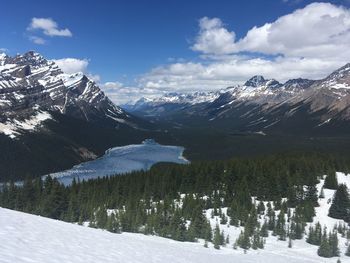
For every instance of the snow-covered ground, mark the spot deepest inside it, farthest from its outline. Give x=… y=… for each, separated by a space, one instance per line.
x=29 y=238
x=300 y=248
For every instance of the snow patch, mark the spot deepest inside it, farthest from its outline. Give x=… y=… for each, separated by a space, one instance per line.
x=14 y=127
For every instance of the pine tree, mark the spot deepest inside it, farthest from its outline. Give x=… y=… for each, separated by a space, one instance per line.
x=264 y=230
x=217 y=240
x=340 y=204
x=261 y=208
x=333 y=241
x=222 y=239
x=311 y=195
x=325 y=250
x=291 y=196
x=308 y=210
x=280 y=227
x=331 y=181
x=243 y=240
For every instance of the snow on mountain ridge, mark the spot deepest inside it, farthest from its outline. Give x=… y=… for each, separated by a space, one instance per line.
x=29 y=82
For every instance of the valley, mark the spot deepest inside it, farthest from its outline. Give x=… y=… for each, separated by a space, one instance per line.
x=175 y=131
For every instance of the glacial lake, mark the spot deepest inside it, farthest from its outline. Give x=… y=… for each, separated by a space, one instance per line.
x=123 y=159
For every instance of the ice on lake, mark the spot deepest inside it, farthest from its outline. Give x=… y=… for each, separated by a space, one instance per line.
x=124 y=159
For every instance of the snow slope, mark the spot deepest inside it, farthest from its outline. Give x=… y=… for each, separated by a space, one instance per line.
x=29 y=238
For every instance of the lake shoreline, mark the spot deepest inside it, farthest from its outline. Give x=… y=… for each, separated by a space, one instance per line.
x=122 y=160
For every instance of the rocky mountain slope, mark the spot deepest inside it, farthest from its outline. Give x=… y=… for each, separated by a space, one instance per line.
x=31 y=85
x=264 y=105
x=50 y=120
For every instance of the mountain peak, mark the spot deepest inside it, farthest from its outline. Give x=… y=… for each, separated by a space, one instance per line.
x=255 y=81
x=339 y=76
x=298 y=83
x=31 y=58
x=30 y=75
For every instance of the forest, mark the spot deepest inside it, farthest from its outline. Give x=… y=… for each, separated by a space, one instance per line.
x=266 y=195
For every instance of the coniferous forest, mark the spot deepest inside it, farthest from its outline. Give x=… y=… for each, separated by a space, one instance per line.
x=268 y=195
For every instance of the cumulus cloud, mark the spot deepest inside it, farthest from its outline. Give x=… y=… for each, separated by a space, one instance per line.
x=318 y=30
x=214 y=38
x=72 y=65
x=49 y=27
x=309 y=42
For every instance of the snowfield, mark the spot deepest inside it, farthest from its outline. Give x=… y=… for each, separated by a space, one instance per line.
x=29 y=238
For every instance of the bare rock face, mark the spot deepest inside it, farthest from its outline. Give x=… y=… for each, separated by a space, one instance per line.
x=29 y=84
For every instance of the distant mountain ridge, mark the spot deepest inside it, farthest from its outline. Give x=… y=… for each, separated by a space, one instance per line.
x=261 y=104
x=256 y=89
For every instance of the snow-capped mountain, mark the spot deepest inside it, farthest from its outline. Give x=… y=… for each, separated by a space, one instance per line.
x=51 y=120
x=31 y=84
x=257 y=90
x=265 y=104
x=170 y=102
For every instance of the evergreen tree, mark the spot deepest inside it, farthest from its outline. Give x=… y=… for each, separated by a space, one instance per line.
x=333 y=241
x=264 y=230
x=331 y=181
x=261 y=208
x=325 y=249
x=311 y=195
x=243 y=240
x=217 y=240
x=340 y=204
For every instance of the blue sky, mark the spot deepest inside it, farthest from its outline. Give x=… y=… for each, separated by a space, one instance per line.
x=136 y=46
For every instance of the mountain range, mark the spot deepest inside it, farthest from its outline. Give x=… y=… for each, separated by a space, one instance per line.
x=50 y=120
x=260 y=105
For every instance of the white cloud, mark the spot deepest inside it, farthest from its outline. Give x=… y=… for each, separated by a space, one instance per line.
x=37 y=40
x=49 y=27
x=214 y=38
x=318 y=30
x=72 y=65
x=94 y=77
x=112 y=85
x=121 y=94
x=309 y=42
